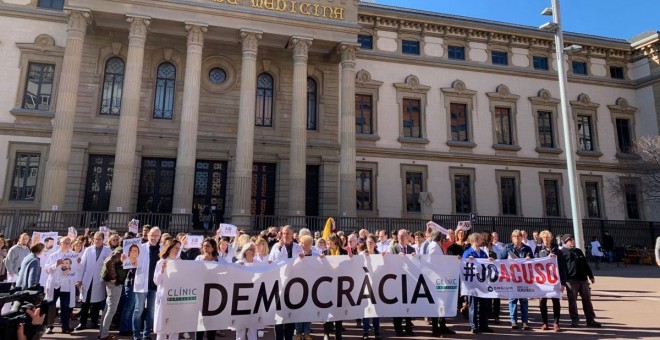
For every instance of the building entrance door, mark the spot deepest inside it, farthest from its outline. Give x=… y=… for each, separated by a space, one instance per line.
x=209 y=196
x=156 y=185
x=99 y=183
x=263 y=188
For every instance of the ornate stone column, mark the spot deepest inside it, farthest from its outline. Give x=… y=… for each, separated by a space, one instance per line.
x=123 y=178
x=242 y=197
x=347 y=199
x=184 y=180
x=57 y=167
x=298 y=148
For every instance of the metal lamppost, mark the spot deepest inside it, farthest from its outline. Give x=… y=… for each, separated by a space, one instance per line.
x=555 y=27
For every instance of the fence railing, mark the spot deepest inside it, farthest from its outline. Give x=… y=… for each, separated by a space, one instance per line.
x=629 y=233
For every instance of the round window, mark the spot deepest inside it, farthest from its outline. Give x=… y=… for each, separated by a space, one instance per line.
x=217 y=75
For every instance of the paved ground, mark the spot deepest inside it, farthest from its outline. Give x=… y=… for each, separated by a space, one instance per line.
x=626 y=300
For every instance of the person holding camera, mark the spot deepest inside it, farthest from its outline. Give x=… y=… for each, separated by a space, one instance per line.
x=61 y=283
x=36 y=327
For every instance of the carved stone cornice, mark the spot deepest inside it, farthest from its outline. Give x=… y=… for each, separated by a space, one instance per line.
x=196 y=33
x=458 y=89
x=250 y=40
x=584 y=102
x=544 y=98
x=503 y=93
x=77 y=20
x=138 y=27
x=621 y=106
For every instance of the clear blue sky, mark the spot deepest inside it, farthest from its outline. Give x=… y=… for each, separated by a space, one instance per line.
x=622 y=19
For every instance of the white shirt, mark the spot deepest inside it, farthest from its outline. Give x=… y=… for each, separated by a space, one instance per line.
x=498 y=247
x=383 y=247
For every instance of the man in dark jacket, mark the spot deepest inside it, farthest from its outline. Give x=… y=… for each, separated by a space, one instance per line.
x=577 y=273
x=402 y=247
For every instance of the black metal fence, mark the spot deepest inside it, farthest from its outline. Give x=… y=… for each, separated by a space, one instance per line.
x=626 y=233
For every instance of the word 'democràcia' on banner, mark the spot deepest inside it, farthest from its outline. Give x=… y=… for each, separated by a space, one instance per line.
x=517 y=278
x=309 y=289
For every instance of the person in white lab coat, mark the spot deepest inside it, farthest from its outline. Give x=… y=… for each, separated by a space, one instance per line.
x=62 y=269
x=92 y=288
x=170 y=252
x=144 y=286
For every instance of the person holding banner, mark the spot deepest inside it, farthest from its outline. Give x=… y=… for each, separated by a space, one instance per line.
x=262 y=249
x=209 y=254
x=334 y=249
x=403 y=248
x=169 y=253
x=285 y=249
x=479 y=307
x=548 y=249
x=371 y=249
x=577 y=273
x=517 y=250
x=246 y=257
x=303 y=329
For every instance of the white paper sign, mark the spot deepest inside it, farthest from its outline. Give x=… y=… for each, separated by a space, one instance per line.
x=134 y=226
x=72 y=233
x=228 y=229
x=131 y=250
x=194 y=241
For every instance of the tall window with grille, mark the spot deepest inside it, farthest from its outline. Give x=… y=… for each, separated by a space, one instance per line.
x=363 y=114
x=592 y=195
x=312 y=104
x=585 y=134
x=165 y=88
x=99 y=182
x=414 y=186
x=551 y=192
x=364 y=192
x=25 y=176
x=412 y=118
x=632 y=201
x=38 y=86
x=156 y=190
x=508 y=196
x=503 y=126
x=264 y=106
x=459 y=122
x=623 y=135
x=113 y=83
x=546 y=129
x=463 y=194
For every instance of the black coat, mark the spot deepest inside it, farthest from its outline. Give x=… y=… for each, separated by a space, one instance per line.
x=577 y=267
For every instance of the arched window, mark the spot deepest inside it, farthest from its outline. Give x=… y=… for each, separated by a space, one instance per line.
x=264 y=107
x=311 y=104
x=113 y=81
x=165 y=86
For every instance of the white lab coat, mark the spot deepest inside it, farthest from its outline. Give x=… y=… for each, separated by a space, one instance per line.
x=54 y=272
x=434 y=248
x=141 y=283
x=281 y=254
x=158 y=280
x=91 y=273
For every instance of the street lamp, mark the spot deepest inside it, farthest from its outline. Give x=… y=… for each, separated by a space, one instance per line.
x=555 y=27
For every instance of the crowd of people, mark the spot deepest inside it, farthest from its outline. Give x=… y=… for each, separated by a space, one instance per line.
x=89 y=271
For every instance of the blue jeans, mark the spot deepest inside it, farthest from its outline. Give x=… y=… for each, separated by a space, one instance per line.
x=303 y=328
x=140 y=298
x=376 y=323
x=126 y=323
x=478 y=312
x=64 y=307
x=513 y=310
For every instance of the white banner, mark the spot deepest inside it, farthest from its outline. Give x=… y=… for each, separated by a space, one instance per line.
x=311 y=289
x=517 y=278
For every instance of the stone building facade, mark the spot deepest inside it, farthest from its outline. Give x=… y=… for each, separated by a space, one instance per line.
x=236 y=108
